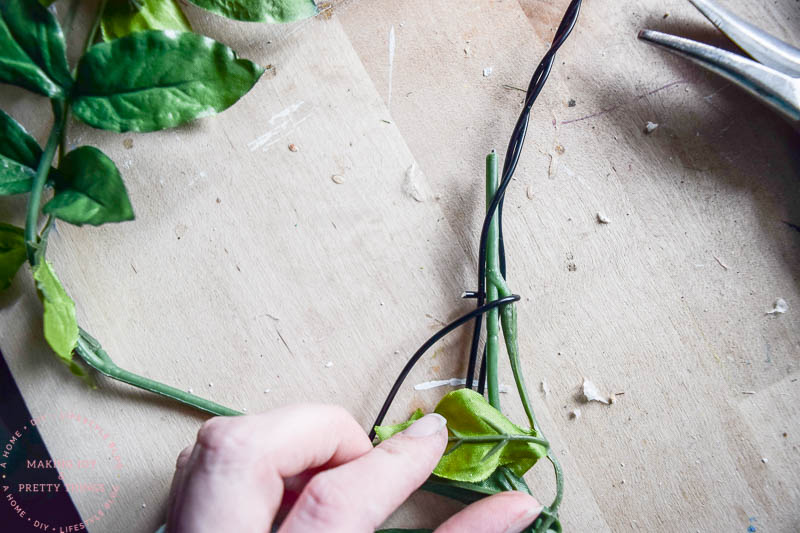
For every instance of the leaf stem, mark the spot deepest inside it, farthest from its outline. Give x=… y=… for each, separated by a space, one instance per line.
x=42 y=171
x=96 y=357
x=468 y=439
x=492 y=263
x=95 y=26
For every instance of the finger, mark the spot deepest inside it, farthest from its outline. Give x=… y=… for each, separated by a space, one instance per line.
x=178 y=478
x=505 y=512
x=239 y=463
x=359 y=495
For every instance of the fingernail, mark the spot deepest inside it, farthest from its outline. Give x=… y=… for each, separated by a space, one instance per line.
x=426 y=426
x=525 y=520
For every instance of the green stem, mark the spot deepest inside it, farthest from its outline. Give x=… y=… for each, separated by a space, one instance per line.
x=93 y=32
x=93 y=354
x=559 y=481
x=499 y=438
x=43 y=170
x=492 y=263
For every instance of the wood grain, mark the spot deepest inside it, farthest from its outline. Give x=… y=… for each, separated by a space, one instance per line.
x=248 y=268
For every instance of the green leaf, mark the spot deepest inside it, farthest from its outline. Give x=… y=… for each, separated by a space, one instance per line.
x=399 y=530
x=89 y=190
x=260 y=10
x=153 y=80
x=60 y=324
x=123 y=17
x=487 y=440
x=12 y=253
x=384 y=432
x=19 y=157
x=32 y=49
x=501 y=480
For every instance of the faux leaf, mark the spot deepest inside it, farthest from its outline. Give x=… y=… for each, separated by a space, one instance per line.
x=60 y=324
x=89 y=190
x=465 y=492
x=32 y=49
x=12 y=253
x=153 y=80
x=122 y=17
x=384 y=432
x=19 y=157
x=260 y=10
x=487 y=440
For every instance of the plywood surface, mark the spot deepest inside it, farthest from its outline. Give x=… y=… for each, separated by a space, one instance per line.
x=249 y=269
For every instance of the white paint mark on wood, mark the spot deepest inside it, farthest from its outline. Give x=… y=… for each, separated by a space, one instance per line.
x=392 y=45
x=452 y=382
x=280 y=124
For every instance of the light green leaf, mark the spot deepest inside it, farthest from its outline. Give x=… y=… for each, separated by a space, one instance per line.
x=384 y=432
x=153 y=80
x=19 y=157
x=12 y=253
x=483 y=439
x=32 y=49
x=60 y=324
x=89 y=190
x=123 y=17
x=260 y=10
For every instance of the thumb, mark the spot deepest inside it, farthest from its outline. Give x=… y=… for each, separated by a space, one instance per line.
x=361 y=494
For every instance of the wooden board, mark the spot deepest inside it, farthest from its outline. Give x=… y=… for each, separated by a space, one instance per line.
x=248 y=268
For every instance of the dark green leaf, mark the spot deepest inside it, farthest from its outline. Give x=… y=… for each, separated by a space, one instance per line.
x=12 y=253
x=153 y=80
x=19 y=157
x=465 y=492
x=469 y=415
x=260 y=10
x=32 y=50
x=384 y=432
x=89 y=190
x=399 y=530
x=123 y=17
x=60 y=324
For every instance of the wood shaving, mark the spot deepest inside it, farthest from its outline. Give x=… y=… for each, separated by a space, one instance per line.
x=591 y=394
x=529 y=192
x=602 y=218
x=337 y=179
x=779 y=307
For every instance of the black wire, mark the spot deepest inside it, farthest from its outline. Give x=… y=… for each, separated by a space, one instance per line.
x=496 y=206
x=509 y=166
x=460 y=321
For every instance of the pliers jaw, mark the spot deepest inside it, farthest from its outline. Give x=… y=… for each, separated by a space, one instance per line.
x=773 y=75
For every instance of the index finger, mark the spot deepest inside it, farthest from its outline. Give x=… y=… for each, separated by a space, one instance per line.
x=239 y=464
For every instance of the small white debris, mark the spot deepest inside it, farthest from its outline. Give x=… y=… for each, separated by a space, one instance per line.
x=144 y=505
x=650 y=127
x=210 y=384
x=748 y=392
x=329 y=364
x=338 y=179
x=503 y=389
x=545 y=388
x=529 y=192
x=189 y=390
x=575 y=413
x=779 y=307
x=266 y=391
x=612 y=400
x=410 y=185
x=622 y=465
x=591 y=394
x=602 y=218
x=244 y=409
x=487 y=72
x=764 y=460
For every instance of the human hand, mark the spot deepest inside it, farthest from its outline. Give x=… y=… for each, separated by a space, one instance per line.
x=314 y=468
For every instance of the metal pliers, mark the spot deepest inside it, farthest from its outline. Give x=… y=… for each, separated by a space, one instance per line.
x=774 y=76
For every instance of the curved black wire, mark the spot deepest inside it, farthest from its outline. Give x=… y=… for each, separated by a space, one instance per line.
x=509 y=166
x=460 y=321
